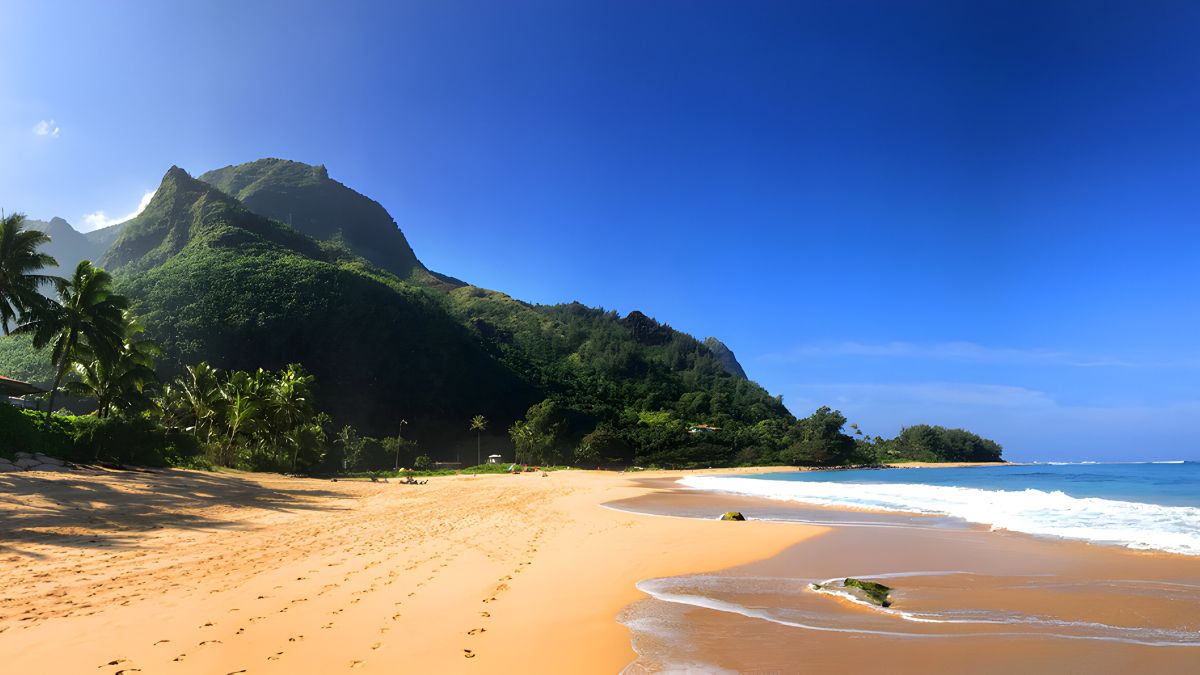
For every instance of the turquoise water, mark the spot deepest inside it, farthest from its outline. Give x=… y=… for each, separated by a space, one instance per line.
x=1163 y=483
x=1153 y=506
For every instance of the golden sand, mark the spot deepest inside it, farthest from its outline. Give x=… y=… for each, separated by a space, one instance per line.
x=188 y=572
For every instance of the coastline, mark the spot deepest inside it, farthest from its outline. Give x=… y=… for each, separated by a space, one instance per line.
x=188 y=572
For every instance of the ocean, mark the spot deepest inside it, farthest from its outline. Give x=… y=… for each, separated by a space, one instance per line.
x=1088 y=592
x=1145 y=505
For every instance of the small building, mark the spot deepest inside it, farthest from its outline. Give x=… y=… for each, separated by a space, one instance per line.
x=494 y=459
x=702 y=429
x=10 y=389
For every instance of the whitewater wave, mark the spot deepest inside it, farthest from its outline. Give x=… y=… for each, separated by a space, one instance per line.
x=1174 y=529
x=704 y=590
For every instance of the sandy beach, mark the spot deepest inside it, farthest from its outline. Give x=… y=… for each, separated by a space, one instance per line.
x=188 y=572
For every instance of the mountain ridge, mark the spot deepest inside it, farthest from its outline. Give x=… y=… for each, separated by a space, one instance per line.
x=214 y=280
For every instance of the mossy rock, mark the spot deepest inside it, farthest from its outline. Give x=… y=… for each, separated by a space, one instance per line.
x=876 y=593
x=733 y=515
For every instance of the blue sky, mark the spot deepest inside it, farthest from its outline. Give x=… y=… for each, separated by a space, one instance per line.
x=966 y=213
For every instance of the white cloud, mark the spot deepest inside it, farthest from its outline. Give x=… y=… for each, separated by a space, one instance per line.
x=46 y=128
x=97 y=220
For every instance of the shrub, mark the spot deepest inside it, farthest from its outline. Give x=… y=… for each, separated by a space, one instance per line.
x=125 y=440
x=24 y=430
x=423 y=463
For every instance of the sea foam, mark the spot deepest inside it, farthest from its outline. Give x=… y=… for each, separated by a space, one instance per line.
x=1175 y=529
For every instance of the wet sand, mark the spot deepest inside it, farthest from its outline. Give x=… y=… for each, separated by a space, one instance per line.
x=1019 y=602
x=188 y=572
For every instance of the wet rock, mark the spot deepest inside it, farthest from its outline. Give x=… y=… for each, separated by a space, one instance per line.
x=871 y=591
x=733 y=515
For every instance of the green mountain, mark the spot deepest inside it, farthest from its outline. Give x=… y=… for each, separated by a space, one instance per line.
x=215 y=282
x=105 y=236
x=217 y=275
x=67 y=245
x=724 y=355
x=307 y=199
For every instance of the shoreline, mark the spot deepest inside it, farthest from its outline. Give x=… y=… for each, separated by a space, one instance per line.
x=1103 y=608
x=189 y=572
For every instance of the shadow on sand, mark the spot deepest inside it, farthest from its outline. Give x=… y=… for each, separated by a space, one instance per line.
x=110 y=511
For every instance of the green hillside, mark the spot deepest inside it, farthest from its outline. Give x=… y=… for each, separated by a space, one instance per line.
x=216 y=275
x=215 y=282
x=307 y=199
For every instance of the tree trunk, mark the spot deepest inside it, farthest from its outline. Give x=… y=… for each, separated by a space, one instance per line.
x=62 y=370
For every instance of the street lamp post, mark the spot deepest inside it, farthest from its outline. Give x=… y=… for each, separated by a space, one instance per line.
x=400 y=442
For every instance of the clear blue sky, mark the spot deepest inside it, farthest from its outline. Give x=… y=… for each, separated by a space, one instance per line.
x=965 y=213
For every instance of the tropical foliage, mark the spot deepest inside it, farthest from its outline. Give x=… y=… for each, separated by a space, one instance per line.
x=20 y=262
x=259 y=267
x=88 y=323
x=260 y=420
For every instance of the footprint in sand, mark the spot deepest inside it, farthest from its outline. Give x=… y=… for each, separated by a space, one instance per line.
x=476 y=631
x=467 y=653
x=209 y=642
x=377 y=645
x=179 y=658
x=328 y=625
x=298 y=638
x=160 y=642
x=484 y=614
x=128 y=670
x=356 y=664
x=275 y=656
x=114 y=662
x=236 y=672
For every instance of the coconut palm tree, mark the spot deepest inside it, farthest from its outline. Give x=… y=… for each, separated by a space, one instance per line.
x=478 y=424
x=290 y=406
x=19 y=260
x=198 y=390
x=241 y=407
x=119 y=382
x=88 y=319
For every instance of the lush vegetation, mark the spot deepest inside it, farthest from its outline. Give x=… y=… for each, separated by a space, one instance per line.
x=402 y=367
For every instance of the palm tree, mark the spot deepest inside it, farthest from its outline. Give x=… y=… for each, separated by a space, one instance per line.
x=291 y=405
x=88 y=317
x=199 y=389
x=19 y=259
x=478 y=424
x=119 y=382
x=240 y=395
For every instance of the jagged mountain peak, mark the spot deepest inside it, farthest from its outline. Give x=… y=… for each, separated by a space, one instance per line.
x=306 y=198
x=724 y=356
